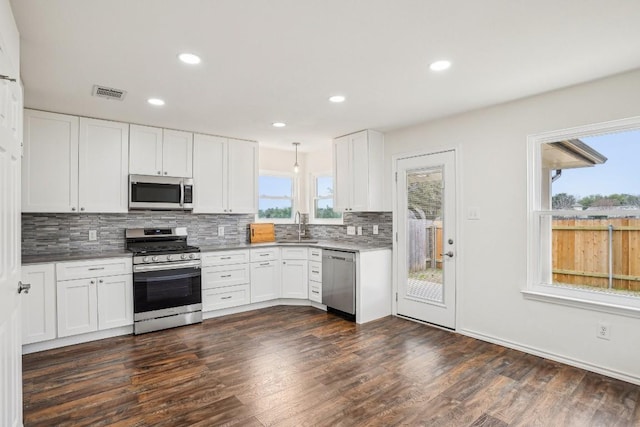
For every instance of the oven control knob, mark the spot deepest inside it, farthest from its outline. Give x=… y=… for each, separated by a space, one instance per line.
x=169 y=257
x=146 y=259
x=155 y=258
x=183 y=256
x=192 y=256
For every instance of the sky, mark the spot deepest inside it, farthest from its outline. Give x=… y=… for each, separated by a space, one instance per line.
x=282 y=186
x=619 y=174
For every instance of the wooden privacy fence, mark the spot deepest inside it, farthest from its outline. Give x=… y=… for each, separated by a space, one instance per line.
x=582 y=249
x=425 y=244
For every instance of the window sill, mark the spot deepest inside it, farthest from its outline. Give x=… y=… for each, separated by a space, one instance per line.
x=326 y=222
x=274 y=220
x=612 y=304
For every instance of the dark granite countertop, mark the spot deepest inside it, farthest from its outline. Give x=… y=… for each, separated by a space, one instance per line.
x=72 y=256
x=323 y=244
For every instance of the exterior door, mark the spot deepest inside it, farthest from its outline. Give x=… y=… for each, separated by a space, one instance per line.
x=426 y=254
x=10 y=314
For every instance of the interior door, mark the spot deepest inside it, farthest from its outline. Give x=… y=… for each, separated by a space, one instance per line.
x=426 y=254
x=10 y=315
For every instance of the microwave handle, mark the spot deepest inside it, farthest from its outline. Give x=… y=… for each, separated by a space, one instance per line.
x=181 y=193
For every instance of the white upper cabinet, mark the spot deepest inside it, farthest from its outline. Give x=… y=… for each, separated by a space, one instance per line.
x=73 y=164
x=50 y=162
x=177 y=153
x=103 y=166
x=156 y=151
x=358 y=161
x=225 y=173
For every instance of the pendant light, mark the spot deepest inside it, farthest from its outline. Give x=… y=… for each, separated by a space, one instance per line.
x=296 y=166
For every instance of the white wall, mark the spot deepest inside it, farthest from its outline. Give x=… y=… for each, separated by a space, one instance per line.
x=492 y=164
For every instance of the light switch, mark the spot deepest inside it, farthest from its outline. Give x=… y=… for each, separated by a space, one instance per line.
x=93 y=235
x=359 y=231
x=375 y=229
x=351 y=230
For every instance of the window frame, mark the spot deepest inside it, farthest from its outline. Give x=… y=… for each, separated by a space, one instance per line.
x=294 y=188
x=539 y=242
x=313 y=196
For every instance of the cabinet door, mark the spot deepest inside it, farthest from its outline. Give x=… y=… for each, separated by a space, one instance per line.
x=103 y=166
x=295 y=283
x=265 y=281
x=341 y=174
x=177 y=153
x=209 y=174
x=243 y=176
x=50 y=162
x=359 y=171
x=115 y=301
x=39 y=305
x=145 y=150
x=77 y=307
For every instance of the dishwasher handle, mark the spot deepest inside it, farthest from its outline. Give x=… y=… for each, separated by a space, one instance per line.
x=341 y=258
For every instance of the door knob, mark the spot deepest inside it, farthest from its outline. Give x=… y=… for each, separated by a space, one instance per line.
x=449 y=254
x=24 y=287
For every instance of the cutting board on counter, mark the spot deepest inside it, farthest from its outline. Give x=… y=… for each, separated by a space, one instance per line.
x=261 y=233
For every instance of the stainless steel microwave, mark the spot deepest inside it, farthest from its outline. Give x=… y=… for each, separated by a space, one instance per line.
x=160 y=192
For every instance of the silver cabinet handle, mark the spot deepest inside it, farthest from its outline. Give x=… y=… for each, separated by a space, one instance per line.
x=82 y=209
x=225 y=257
x=3 y=77
x=265 y=263
x=265 y=254
x=96 y=268
x=100 y=281
x=229 y=297
x=225 y=276
x=24 y=287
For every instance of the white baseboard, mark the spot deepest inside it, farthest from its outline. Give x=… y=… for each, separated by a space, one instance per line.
x=76 y=339
x=552 y=356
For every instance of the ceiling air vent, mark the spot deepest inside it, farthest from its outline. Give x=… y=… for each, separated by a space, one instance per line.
x=108 y=92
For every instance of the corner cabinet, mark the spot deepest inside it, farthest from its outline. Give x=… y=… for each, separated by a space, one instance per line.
x=295 y=272
x=358 y=167
x=225 y=175
x=74 y=164
x=156 y=151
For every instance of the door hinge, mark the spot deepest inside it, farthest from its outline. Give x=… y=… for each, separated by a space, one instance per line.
x=396 y=297
x=396 y=176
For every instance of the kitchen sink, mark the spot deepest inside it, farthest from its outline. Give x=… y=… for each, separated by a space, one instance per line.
x=303 y=241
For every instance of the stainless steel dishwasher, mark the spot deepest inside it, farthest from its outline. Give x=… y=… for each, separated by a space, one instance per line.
x=339 y=280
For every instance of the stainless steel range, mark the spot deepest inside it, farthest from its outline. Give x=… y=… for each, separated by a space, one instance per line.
x=167 y=290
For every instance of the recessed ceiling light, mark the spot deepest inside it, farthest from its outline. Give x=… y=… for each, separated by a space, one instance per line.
x=278 y=124
x=440 y=65
x=156 y=101
x=337 y=98
x=189 y=58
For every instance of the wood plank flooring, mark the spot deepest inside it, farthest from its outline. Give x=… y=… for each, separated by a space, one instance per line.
x=298 y=366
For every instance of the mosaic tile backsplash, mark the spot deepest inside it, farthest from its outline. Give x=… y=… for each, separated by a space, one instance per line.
x=44 y=234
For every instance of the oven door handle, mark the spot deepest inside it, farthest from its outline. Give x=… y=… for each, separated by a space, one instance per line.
x=143 y=268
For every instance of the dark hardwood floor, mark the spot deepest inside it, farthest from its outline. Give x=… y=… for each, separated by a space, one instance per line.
x=297 y=366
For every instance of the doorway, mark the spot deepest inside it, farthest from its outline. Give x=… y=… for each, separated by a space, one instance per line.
x=426 y=238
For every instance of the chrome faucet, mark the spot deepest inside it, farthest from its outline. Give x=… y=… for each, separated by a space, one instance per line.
x=298 y=218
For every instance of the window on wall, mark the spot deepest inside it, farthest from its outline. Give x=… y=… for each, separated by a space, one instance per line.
x=276 y=197
x=584 y=231
x=322 y=203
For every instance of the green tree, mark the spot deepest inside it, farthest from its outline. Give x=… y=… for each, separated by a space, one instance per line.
x=563 y=201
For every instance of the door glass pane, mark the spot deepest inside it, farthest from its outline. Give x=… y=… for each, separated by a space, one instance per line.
x=425 y=197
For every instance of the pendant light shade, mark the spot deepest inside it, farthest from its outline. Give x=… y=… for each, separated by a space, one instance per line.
x=296 y=166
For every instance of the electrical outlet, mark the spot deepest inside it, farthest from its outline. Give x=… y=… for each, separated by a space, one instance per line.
x=359 y=231
x=93 y=235
x=351 y=230
x=221 y=231
x=603 y=331
x=375 y=229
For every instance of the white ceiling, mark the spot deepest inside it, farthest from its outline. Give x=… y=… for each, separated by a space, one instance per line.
x=279 y=60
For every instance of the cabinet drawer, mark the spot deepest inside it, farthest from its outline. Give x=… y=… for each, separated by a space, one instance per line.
x=231 y=296
x=224 y=257
x=315 y=271
x=294 y=253
x=93 y=268
x=315 y=254
x=226 y=275
x=266 y=254
x=315 y=292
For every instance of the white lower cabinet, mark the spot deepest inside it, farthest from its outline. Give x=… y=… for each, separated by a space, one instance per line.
x=295 y=282
x=265 y=274
x=101 y=301
x=39 y=305
x=315 y=274
x=225 y=279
